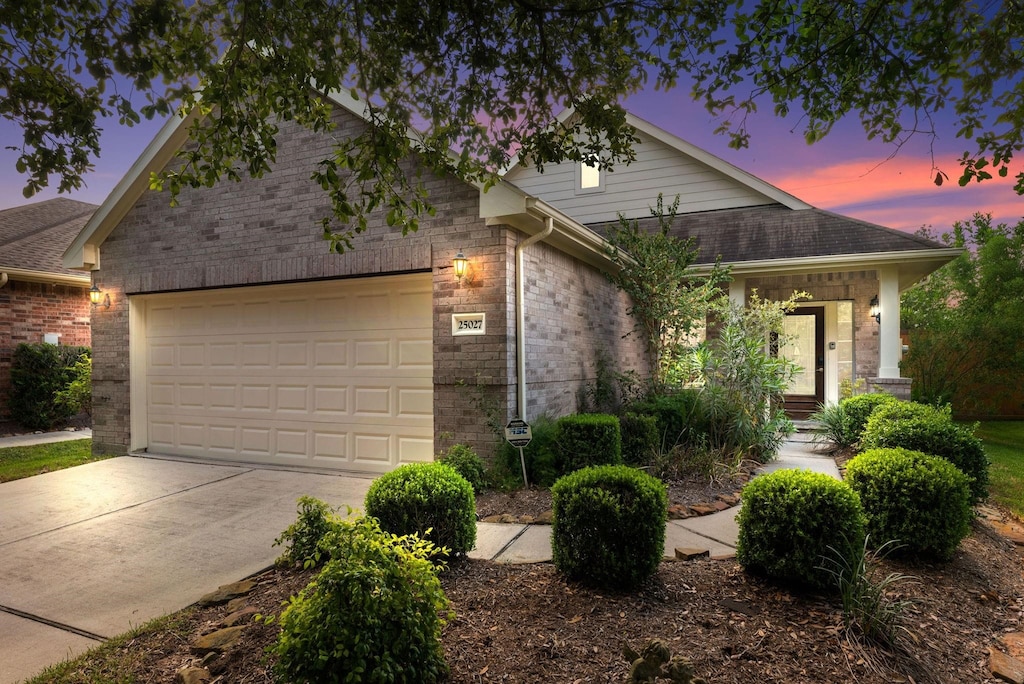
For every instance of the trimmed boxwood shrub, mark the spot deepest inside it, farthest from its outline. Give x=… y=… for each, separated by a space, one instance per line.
x=676 y=413
x=859 y=408
x=541 y=456
x=931 y=430
x=921 y=501
x=788 y=521
x=373 y=614
x=609 y=525
x=417 y=497
x=38 y=373
x=639 y=438
x=466 y=463
x=588 y=439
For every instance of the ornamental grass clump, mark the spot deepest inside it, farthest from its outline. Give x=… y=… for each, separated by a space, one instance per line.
x=930 y=430
x=789 y=521
x=373 y=614
x=921 y=502
x=609 y=526
x=427 y=499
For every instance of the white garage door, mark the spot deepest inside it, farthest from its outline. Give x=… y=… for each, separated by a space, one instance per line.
x=335 y=374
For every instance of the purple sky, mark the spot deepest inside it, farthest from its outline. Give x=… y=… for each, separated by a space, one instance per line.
x=844 y=173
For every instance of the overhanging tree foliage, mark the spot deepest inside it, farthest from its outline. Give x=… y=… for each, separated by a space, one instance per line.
x=966 y=321
x=484 y=80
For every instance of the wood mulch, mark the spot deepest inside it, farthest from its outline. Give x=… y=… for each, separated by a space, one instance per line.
x=524 y=623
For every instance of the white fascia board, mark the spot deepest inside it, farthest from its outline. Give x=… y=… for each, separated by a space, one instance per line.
x=505 y=204
x=26 y=275
x=716 y=163
x=83 y=253
x=913 y=264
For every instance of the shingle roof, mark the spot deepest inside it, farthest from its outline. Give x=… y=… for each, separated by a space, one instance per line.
x=777 y=232
x=33 y=237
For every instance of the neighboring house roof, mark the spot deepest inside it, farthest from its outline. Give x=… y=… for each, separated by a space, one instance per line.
x=33 y=238
x=775 y=238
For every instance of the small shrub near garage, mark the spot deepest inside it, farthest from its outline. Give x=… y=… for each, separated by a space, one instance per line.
x=859 y=408
x=588 y=439
x=639 y=438
x=38 y=373
x=921 y=502
x=919 y=427
x=609 y=525
x=466 y=463
x=373 y=614
x=418 y=497
x=302 y=538
x=789 y=521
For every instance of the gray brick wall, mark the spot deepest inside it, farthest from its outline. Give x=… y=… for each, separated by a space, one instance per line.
x=262 y=231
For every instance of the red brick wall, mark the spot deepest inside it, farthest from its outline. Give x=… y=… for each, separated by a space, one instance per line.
x=28 y=311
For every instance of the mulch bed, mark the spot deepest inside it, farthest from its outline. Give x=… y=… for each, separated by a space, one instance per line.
x=524 y=623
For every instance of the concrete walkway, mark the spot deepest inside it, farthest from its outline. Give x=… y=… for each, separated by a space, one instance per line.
x=44 y=438
x=715 y=533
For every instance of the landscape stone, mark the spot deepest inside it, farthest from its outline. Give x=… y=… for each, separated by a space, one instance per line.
x=492 y=519
x=720 y=506
x=237 y=604
x=679 y=512
x=218 y=641
x=1005 y=667
x=689 y=553
x=508 y=518
x=730 y=499
x=526 y=520
x=192 y=675
x=1014 y=643
x=546 y=518
x=226 y=592
x=1010 y=531
x=703 y=509
x=238 y=616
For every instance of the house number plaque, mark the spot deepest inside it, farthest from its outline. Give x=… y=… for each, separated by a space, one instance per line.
x=469 y=324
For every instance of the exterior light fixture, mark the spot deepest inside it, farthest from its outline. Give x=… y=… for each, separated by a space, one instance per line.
x=97 y=297
x=876 y=310
x=459 y=264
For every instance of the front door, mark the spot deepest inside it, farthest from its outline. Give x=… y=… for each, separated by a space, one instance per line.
x=804 y=345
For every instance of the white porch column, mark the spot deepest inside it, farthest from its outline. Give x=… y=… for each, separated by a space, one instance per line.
x=889 y=344
x=738 y=291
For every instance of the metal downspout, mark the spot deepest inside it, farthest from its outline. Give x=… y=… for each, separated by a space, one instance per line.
x=549 y=227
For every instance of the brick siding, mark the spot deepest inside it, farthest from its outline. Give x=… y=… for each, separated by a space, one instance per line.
x=30 y=310
x=262 y=231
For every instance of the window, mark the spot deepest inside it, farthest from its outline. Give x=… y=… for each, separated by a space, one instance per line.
x=589 y=178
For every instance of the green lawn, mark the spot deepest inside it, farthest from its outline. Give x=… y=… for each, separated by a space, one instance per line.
x=19 y=462
x=1004 y=444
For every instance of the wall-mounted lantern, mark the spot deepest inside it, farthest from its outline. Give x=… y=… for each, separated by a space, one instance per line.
x=876 y=310
x=459 y=263
x=98 y=296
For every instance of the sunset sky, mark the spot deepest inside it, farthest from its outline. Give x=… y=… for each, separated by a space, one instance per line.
x=844 y=173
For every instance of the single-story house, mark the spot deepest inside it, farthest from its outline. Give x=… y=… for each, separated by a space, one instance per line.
x=40 y=299
x=234 y=335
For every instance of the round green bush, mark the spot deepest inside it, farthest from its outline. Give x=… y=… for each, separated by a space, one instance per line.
x=919 y=427
x=788 y=521
x=609 y=525
x=922 y=502
x=373 y=614
x=588 y=439
x=418 y=497
x=466 y=463
x=859 y=408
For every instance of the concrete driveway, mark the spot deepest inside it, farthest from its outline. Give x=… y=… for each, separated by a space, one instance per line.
x=90 y=552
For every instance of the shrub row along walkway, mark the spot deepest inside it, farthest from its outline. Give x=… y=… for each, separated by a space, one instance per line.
x=89 y=552
x=713 y=535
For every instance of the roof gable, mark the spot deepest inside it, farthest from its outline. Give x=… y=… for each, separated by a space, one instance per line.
x=664 y=164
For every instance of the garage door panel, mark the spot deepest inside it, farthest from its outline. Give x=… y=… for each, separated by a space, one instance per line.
x=329 y=374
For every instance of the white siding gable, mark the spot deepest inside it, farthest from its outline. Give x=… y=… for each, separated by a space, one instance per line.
x=632 y=190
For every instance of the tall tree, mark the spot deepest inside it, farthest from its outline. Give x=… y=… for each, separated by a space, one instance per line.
x=484 y=80
x=965 y=322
